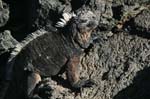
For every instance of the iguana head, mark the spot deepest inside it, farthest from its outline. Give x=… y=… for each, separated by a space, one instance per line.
x=79 y=26
x=84 y=23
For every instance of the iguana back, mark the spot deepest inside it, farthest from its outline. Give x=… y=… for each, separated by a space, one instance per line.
x=46 y=54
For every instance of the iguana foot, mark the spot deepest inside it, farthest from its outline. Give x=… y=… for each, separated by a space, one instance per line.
x=82 y=84
x=44 y=90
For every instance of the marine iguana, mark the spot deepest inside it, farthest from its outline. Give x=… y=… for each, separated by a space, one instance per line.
x=46 y=53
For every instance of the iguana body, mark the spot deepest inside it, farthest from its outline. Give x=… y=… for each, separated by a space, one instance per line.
x=46 y=53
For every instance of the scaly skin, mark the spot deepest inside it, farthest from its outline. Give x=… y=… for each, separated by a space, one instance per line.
x=48 y=53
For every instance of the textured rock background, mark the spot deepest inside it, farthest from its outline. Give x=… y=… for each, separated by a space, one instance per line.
x=119 y=59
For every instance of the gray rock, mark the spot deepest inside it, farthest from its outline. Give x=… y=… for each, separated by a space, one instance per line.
x=103 y=10
x=6 y=41
x=130 y=2
x=114 y=63
x=142 y=21
x=49 y=13
x=4 y=13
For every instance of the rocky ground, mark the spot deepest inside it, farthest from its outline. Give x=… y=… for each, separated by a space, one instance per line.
x=119 y=58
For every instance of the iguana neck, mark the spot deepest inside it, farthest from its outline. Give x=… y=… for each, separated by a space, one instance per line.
x=70 y=40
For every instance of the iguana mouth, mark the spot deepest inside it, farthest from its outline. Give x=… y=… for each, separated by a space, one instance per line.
x=83 y=40
x=85 y=36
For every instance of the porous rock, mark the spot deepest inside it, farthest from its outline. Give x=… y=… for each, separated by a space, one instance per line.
x=6 y=41
x=4 y=13
x=142 y=21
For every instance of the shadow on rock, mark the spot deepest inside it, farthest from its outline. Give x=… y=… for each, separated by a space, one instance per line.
x=140 y=89
x=22 y=17
x=3 y=60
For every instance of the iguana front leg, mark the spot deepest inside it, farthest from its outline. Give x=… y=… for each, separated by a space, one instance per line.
x=32 y=80
x=73 y=75
x=37 y=87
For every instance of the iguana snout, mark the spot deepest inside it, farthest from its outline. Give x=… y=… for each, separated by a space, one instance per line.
x=85 y=24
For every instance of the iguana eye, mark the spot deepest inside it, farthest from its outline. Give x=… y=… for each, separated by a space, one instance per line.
x=93 y=17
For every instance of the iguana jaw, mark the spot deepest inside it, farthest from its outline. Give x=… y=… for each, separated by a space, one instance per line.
x=83 y=36
x=83 y=40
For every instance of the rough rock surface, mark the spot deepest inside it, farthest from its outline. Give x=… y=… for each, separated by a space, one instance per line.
x=140 y=24
x=116 y=68
x=49 y=13
x=118 y=62
x=4 y=13
x=6 y=41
